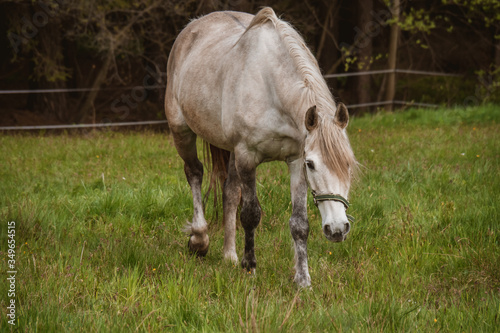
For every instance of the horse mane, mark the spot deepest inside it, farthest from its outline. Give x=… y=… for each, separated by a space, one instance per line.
x=333 y=140
x=335 y=149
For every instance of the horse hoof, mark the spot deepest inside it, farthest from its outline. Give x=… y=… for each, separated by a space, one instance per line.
x=249 y=265
x=231 y=257
x=199 y=251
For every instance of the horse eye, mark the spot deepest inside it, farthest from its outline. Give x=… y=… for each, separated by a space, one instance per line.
x=310 y=164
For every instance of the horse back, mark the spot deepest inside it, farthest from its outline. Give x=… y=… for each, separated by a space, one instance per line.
x=195 y=73
x=221 y=29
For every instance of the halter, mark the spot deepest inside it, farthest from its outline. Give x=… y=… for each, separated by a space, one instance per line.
x=328 y=197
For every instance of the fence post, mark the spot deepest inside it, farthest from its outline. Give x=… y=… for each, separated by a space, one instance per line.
x=393 y=50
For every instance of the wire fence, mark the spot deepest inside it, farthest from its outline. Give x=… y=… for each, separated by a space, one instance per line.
x=134 y=123
x=157 y=122
x=50 y=91
x=388 y=71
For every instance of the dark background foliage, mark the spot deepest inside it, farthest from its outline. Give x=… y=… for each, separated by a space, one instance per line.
x=118 y=49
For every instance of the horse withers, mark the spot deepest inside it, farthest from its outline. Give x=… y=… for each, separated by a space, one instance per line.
x=249 y=86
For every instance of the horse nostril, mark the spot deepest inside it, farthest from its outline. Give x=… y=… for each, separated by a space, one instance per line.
x=334 y=234
x=327 y=230
x=347 y=228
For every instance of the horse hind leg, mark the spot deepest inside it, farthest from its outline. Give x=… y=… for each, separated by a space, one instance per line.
x=185 y=144
x=231 y=200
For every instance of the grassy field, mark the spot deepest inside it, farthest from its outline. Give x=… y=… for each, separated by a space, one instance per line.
x=100 y=247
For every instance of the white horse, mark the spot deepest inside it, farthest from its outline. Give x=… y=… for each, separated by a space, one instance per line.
x=250 y=87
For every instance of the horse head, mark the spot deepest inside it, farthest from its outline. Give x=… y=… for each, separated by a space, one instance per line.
x=328 y=165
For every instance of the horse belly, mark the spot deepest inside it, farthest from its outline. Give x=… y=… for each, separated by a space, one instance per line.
x=203 y=117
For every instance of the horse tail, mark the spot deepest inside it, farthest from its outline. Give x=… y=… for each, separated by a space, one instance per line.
x=217 y=163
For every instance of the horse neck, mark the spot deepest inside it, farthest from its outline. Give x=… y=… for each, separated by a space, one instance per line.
x=294 y=74
x=298 y=91
x=295 y=97
x=291 y=94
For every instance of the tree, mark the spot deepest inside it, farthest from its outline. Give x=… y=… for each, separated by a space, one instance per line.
x=59 y=44
x=365 y=51
x=110 y=33
x=393 y=49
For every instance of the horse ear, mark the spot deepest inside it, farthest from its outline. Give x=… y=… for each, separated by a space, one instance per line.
x=342 y=116
x=311 y=118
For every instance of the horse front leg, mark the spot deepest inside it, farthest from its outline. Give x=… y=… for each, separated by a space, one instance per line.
x=299 y=224
x=250 y=211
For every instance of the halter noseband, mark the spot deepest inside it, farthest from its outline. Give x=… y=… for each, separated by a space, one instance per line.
x=328 y=197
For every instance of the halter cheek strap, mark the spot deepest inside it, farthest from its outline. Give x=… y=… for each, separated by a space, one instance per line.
x=328 y=197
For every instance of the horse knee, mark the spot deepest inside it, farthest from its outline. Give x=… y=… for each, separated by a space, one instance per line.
x=250 y=215
x=299 y=227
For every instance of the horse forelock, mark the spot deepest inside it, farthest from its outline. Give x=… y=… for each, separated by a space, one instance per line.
x=335 y=149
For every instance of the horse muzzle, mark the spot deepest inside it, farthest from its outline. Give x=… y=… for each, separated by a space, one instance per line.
x=336 y=232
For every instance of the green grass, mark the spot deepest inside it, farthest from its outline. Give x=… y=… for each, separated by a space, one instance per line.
x=100 y=247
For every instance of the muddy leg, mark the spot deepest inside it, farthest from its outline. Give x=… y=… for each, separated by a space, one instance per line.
x=299 y=224
x=250 y=211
